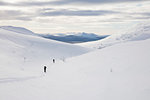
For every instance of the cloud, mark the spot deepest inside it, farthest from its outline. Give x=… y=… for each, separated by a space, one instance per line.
x=4 y=3
x=14 y=15
x=92 y=1
x=65 y=2
x=146 y=13
x=65 y=12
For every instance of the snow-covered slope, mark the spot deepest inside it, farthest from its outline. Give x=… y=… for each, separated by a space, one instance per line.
x=19 y=51
x=18 y=30
x=138 y=32
x=119 y=72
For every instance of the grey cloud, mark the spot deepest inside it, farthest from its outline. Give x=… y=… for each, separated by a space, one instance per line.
x=134 y=16
x=93 y=1
x=65 y=12
x=24 y=18
x=14 y=15
x=3 y=3
x=10 y=12
x=33 y=3
x=144 y=18
x=64 y=2
x=146 y=14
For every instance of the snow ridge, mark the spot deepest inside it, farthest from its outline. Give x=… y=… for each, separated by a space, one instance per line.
x=135 y=33
x=18 y=30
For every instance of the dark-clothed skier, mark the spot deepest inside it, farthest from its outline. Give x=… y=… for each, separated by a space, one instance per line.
x=45 y=69
x=53 y=60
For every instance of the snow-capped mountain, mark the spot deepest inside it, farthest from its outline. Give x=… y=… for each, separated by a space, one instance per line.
x=74 y=37
x=138 y=32
x=83 y=34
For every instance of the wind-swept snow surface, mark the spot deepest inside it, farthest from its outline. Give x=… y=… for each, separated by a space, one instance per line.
x=119 y=72
x=138 y=32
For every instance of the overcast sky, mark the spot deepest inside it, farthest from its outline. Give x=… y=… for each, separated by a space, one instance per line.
x=60 y=16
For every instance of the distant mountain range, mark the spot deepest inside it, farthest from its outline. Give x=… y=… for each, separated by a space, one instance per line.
x=71 y=37
x=74 y=37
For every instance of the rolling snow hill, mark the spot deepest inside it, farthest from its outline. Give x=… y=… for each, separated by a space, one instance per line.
x=21 y=51
x=137 y=32
x=119 y=72
x=18 y=30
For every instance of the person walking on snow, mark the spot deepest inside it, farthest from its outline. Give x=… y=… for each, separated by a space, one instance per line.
x=45 y=69
x=53 y=60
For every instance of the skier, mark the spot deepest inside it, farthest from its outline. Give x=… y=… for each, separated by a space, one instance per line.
x=45 y=69
x=53 y=60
